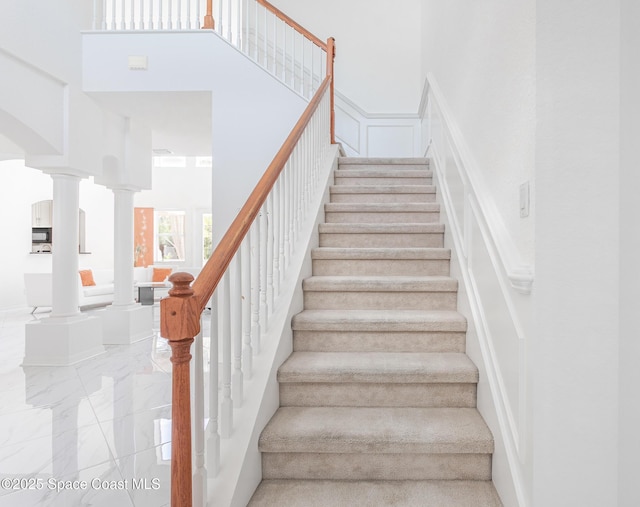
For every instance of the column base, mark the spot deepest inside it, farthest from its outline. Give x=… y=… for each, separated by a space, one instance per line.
x=128 y=324
x=62 y=341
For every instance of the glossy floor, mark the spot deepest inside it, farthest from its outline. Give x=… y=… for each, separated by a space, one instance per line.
x=96 y=433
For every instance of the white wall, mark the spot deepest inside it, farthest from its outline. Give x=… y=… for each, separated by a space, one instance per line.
x=575 y=353
x=377 y=48
x=44 y=41
x=629 y=251
x=252 y=112
x=482 y=56
x=21 y=187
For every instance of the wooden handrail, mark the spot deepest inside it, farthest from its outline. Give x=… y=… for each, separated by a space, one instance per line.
x=217 y=264
x=180 y=312
x=293 y=24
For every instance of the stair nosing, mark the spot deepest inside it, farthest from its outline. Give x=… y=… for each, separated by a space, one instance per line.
x=365 y=253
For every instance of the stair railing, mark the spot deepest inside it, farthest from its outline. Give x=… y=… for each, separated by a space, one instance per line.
x=242 y=280
x=257 y=28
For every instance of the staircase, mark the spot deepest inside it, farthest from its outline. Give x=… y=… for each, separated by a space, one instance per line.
x=377 y=401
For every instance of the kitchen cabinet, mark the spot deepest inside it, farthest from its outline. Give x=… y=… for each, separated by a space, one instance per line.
x=42 y=214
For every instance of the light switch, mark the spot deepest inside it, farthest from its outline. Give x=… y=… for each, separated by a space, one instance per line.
x=524 y=200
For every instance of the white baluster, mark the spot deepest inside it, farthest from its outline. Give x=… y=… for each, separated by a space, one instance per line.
x=132 y=24
x=220 y=23
x=237 y=380
x=284 y=53
x=142 y=23
x=255 y=285
x=281 y=226
x=293 y=59
x=200 y=472
x=229 y=22
x=270 y=253
x=123 y=16
x=256 y=30
x=170 y=15
x=266 y=36
x=160 y=20
x=196 y=23
x=213 y=437
x=238 y=24
x=263 y=270
x=275 y=204
x=188 y=14
x=304 y=39
x=287 y=214
x=274 y=46
x=94 y=22
x=247 y=351
x=226 y=409
x=151 y=23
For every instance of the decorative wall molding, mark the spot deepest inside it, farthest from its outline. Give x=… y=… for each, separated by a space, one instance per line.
x=365 y=134
x=492 y=277
x=520 y=273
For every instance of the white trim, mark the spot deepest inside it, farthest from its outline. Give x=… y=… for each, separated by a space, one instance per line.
x=510 y=436
x=520 y=273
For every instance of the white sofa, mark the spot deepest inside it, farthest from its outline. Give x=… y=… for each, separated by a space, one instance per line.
x=39 y=294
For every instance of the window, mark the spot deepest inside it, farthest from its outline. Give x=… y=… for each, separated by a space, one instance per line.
x=170 y=243
x=207 y=237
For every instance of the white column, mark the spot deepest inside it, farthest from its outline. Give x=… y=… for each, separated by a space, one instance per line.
x=67 y=336
x=125 y=321
x=66 y=206
x=123 y=247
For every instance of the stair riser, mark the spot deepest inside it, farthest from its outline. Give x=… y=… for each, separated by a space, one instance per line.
x=377 y=395
x=364 y=217
x=372 y=466
x=363 y=341
x=391 y=267
x=345 y=179
x=382 y=240
x=406 y=300
x=383 y=167
x=382 y=198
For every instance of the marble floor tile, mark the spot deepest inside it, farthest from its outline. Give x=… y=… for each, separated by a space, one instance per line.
x=105 y=421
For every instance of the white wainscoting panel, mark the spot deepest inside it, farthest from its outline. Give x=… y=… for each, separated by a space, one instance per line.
x=494 y=304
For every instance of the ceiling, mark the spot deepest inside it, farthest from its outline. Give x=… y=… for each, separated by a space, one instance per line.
x=180 y=121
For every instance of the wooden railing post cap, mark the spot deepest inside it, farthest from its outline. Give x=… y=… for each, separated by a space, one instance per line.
x=181 y=284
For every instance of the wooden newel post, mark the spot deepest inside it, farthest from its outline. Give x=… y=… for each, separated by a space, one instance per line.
x=208 y=18
x=179 y=323
x=331 y=55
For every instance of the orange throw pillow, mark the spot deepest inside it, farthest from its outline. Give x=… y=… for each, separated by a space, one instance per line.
x=86 y=275
x=160 y=274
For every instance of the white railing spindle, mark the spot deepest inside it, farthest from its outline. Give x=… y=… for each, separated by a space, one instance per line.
x=237 y=381
x=226 y=408
x=213 y=436
x=255 y=286
x=247 y=350
x=263 y=270
x=200 y=472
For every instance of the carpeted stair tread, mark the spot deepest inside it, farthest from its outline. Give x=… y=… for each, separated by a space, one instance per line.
x=382 y=207
x=377 y=367
x=434 y=283
x=408 y=228
x=344 y=161
x=380 y=189
x=380 y=430
x=380 y=253
x=379 y=320
x=323 y=493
